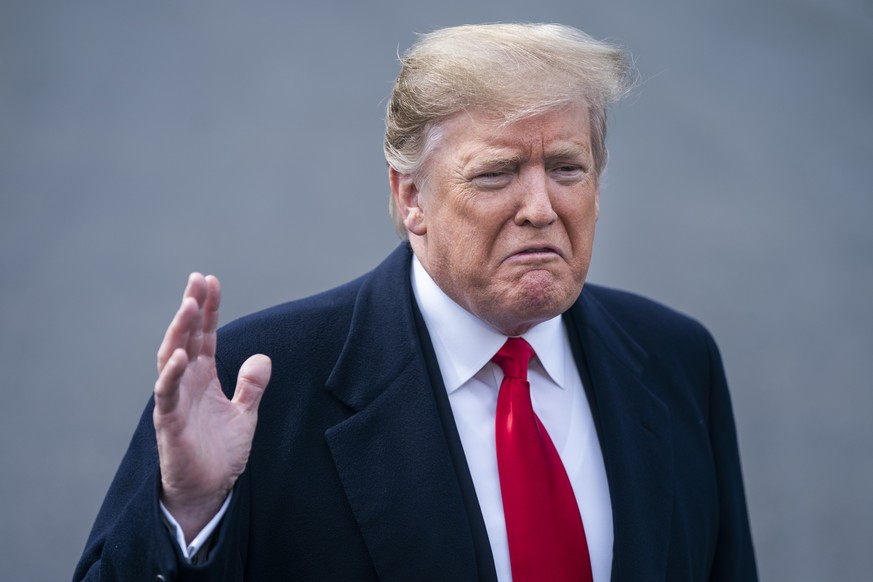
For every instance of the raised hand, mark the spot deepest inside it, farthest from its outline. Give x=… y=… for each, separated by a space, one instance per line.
x=204 y=439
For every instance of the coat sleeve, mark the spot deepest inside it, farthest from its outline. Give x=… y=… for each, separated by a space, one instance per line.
x=129 y=540
x=734 y=559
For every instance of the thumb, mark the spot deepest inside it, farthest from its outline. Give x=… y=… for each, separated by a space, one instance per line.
x=253 y=377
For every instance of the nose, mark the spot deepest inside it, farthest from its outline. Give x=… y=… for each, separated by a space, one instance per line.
x=536 y=203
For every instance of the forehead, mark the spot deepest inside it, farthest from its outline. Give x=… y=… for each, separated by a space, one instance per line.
x=473 y=133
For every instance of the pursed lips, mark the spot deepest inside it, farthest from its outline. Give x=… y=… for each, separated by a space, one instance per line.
x=534 y=251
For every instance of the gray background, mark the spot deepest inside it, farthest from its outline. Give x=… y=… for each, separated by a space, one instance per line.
x=142 y=140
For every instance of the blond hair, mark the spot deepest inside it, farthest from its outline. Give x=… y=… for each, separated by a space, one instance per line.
x=511 y=70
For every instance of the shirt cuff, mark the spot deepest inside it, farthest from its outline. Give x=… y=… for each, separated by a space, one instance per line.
x=189 y=552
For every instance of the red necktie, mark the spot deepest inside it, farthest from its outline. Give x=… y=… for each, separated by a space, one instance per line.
x=543 y=525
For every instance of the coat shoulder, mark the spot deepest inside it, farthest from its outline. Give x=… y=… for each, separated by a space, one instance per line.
x=312 y=331
x=316 y=324
x=640 y=316
x=652 y=326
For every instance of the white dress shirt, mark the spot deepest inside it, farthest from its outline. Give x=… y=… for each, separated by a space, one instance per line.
x=464 y=346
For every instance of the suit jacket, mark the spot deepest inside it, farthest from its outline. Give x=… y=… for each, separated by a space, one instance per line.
x=355 y=472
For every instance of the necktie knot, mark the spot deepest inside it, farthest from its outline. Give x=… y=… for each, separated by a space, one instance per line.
x=514 y=357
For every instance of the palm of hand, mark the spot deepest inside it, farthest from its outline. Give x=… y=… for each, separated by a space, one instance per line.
x=203 y=437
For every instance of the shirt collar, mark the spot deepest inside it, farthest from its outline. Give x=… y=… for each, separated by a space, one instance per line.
x=464 y=344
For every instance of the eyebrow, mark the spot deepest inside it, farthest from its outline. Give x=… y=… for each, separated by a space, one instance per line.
x=494 y=160
x=567 y=152
x=497 y=159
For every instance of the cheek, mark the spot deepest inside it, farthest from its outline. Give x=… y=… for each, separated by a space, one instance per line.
x=580 y=221
x=477 y=231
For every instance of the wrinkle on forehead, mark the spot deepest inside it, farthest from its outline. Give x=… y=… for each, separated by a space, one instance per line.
x=490 y=131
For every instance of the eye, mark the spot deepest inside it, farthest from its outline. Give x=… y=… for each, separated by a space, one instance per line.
x=569 y=172
x=492 y=179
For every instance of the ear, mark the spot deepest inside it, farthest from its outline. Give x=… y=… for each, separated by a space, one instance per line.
x=407 y=197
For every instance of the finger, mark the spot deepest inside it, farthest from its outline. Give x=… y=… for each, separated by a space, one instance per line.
x=177 y=334
x=195 y=333
x=169 y=380
x=210 y=315
x=254 y=375
x=197 y=288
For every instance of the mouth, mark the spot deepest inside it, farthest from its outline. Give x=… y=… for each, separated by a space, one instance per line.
x=539 y=252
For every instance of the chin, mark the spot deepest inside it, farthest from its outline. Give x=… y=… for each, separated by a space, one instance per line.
x=535 y=306
x=541 y=291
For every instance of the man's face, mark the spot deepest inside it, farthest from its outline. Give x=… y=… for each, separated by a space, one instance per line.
x=504 y=219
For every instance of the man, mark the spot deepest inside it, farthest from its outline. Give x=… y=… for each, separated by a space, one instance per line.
x=466 y=410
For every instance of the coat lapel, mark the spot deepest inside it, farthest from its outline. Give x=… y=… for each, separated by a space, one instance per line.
x=634 y=429
x=391 y=453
